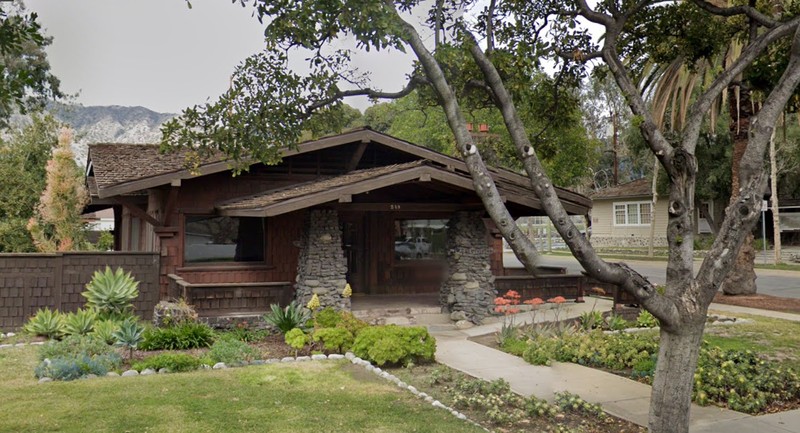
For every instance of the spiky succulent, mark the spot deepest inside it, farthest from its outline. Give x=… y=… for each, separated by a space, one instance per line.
x=111 y=292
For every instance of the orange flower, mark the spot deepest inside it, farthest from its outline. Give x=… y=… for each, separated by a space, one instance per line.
x=501 y=301
x=512 y=294
x=512 y=311
x=534 y=301
x=557 y=300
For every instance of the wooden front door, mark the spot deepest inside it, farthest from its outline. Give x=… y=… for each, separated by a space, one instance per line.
x=353 y=241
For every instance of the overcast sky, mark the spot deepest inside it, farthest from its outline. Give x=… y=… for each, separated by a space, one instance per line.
x=162 y=55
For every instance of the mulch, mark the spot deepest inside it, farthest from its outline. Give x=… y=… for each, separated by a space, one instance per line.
x=764 y=302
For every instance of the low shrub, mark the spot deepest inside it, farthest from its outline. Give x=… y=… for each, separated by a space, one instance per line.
x=616 y=322
x=187 y=335
x=45 y=323
x=501 y=405
x=296 y=338
x=334 y=339
x=231 y=352
x=243 y=332
x=351 y=323
x=75 y=346
x=128 y=335
x=569 y=402
x=591 y=320
x=290 y=317
x=742 y=381
x=394 y=345
x=174 y=362
x=327 y=318
x=77 y=367
x=646 y=320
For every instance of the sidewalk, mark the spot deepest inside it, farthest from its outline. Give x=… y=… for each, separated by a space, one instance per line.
x=621 y=397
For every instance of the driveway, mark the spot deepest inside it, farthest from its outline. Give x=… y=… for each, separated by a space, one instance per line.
x=785 y=284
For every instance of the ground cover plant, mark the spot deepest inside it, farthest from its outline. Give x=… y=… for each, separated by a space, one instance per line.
x=495 y=406
x=749 y=367
x=280 y=398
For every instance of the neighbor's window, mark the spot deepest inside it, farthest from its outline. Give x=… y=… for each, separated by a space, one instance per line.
x=223 y=239
x=632 y=214
x=420 y=239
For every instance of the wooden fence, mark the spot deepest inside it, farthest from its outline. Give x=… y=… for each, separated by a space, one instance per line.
x=29 y=282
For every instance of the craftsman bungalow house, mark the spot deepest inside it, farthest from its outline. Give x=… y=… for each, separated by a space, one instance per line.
x=364 y=208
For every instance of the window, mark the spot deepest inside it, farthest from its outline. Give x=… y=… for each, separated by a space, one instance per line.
x=223 y=239
x=632 y=214
x=420 y=239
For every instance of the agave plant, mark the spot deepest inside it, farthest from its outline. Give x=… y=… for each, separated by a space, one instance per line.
x=111 y=292
x=129 y=335
x=104 y=330
x=288 y=318
x=46 y=323
x=80 y=322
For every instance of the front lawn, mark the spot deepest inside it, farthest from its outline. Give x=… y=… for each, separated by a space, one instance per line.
x=323 y=396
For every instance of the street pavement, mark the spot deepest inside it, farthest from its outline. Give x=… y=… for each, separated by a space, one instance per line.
x=785 y=284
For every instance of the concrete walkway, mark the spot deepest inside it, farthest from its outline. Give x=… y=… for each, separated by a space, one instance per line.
x=621 y=397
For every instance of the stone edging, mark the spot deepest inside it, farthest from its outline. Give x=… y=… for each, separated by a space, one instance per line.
x=349 y=356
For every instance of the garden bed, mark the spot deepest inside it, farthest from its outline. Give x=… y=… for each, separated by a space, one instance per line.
x=750 y=367
x=493 y=405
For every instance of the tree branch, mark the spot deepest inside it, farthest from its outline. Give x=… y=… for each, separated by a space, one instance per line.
x=481 y=177
x=594 y=16
x=700 y=107
x=619 y=274
x=751 y=12
x=413 y=84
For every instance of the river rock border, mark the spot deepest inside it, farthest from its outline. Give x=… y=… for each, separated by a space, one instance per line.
x=349 y=356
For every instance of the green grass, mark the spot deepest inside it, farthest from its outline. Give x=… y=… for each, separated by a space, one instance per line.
x=306 y=397
x=775 y=338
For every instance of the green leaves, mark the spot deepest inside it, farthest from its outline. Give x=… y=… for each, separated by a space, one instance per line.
x=46 y=323
x=80 y=322
x=111 y=292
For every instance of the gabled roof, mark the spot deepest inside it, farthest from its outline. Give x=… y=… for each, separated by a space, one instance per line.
x=124 y=168
x=342 y=188
x=636 y=188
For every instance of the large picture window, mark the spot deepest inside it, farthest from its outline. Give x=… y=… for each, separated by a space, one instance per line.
x=223 y=239
x=632 y=213
x=420 y=239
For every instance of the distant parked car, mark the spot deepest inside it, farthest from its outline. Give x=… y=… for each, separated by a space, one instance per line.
x=405 y=250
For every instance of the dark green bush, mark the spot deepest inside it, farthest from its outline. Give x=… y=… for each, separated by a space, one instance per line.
x=334 y=339
x=187 y=335
x=77 y=367
x=75 y=346
x=231 y=351
x=392 y=344
x=243 y=332
x=174 y=362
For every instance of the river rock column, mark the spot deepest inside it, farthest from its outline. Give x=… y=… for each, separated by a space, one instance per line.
x=468 y=291
x=321 y=265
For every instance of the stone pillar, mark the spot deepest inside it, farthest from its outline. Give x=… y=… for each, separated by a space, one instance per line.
x=468 y=291
x=321 y=266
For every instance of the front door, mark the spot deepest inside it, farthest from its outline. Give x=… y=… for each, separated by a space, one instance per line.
x=353 y=245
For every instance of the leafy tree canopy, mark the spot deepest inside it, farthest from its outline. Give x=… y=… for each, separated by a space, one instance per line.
x=25 y=79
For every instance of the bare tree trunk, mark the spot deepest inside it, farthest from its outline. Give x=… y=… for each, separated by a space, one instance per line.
x=653 y=213
x=776 y=223
x=742 y=277
x=671 y=398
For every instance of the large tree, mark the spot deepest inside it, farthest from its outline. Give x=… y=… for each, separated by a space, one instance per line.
x=25 y=79
x=268 y=103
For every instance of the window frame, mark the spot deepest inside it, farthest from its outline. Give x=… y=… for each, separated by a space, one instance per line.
x=265 y=262
x=625 y=205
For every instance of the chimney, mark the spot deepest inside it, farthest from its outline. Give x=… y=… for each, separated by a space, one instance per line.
x=469 y=127
x=484 y=127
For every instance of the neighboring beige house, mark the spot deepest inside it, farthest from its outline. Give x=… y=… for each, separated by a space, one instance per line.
x=622 y=215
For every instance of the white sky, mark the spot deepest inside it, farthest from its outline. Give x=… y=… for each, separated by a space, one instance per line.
x=160 y=54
